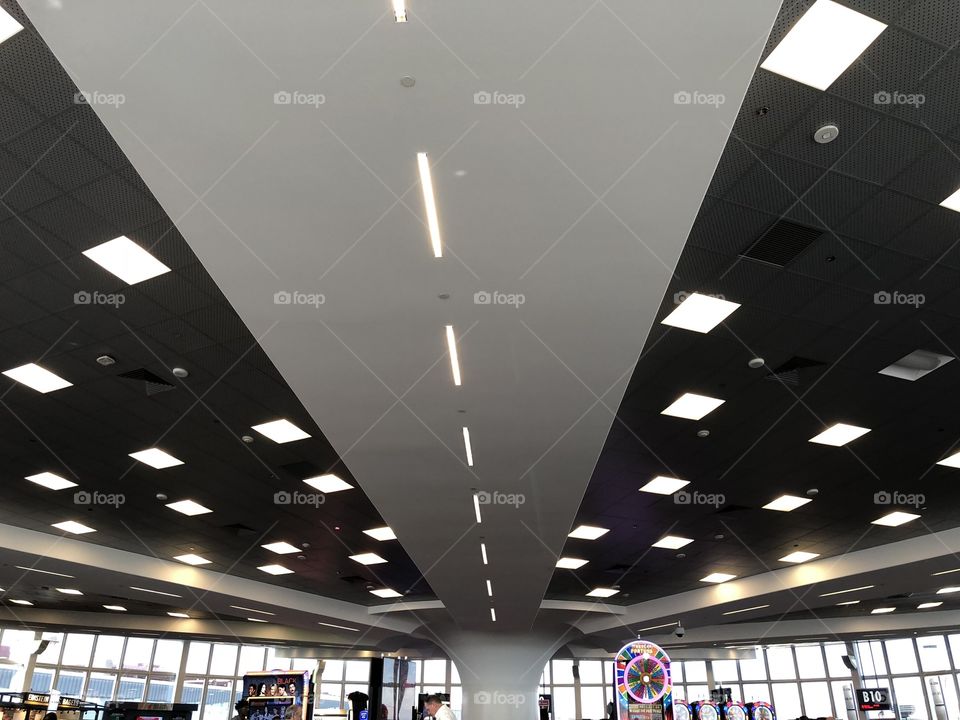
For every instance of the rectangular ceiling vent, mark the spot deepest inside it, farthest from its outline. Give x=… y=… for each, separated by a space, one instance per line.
x=789 y=372
x=302 y=469
x=781 y=243
x=355 y=580
x=152 y=384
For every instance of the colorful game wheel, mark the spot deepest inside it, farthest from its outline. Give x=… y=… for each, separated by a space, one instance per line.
x=646 y=679
x=708 y=712
x=681 y=711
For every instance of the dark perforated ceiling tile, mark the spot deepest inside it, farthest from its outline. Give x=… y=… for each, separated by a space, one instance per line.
x=934 y=176
x=775 y=184
x=934 y=237
x=770 y=107
x=883 y=217
x=729 y=228
x=831 y=199
x=888 y=149
x=853 y=121
x=936 y=20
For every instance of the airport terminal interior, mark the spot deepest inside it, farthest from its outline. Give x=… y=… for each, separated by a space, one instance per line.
x=458 y=360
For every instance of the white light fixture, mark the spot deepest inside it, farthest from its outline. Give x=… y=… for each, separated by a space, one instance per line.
x=156 y=458
x=822 y=44
x=189 y=508
x=657 y=627
x=328 y=483
x=255 y=620
x=281 y=431
x=588 y=532
x=476 y=507
x=568 y=563
x=468 y=448
x=663 y=485
x=895 y=519
x=281 y=548
x=692 y=406
x=127 y=260
x=483 y=553
x=38 y=378
x=717 y=577
x=743 y=610
x=786 y=503
x=454 y=359
x=21 y=602
x=882 y=611
x=275 y=569
x=916 y=365
x=69 y=591
x=700 y=313
x=400 y=10
x=73 y=527
x=115 y=608
x=952 y=202
x=493 y=615
x=928 y=605
x=381 y=533
x=602 y=592
x=339 y=627
x=368 y=559
x=51 y=481
x=426 y=184
x=155 y=592
x=946 y=572
x=841 y=592
x=672 y=542
x=8 y=26
x=799 y=556
x=44 y=572
x=848 y=602
x=489 y=589
x=178 y=615
x=253 y=610
x=840 y=433
x=951 y=460
x=191 y=559
x=948 y=590
x=386 y=593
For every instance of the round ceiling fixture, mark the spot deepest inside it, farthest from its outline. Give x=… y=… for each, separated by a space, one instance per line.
x=755 y=363
x=161 y=496
x=247 y=438
x=106 y=360
x=813 y=492
x=703 y=433
x=826 y=134
x=180 y=372
x=408 y=81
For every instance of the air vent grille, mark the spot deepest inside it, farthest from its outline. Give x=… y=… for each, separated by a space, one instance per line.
x=789 y=372
x=152 y=383
x=782 y=243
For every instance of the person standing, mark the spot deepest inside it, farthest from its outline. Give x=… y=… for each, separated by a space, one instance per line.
x=434 y=705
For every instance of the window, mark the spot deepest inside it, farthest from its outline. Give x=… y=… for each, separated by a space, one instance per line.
x=725 y=671
x=810 y=665
x=108 y=652
x=695 y=670
x=870 y=657
x=197 y=658
x=835 y=666
x=900 y=656
x=933 y=653
x=42 y=680
x=780 y=662
x=786 y=700
x=223 y=660
x=434 y=672
x=756 y=691
x=166 y=658
x=753 y=669
x=218 y=703
x=51 y=656
x=816 y=699
x=137 y=655
x=357 y=671
x=909 y=691
x=592 y=702
x=562 y=672
x=564 y=702
x=77 y=650
x=591 y=673
x=101 y=686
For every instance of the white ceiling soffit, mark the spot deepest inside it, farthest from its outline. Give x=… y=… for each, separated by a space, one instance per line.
x=571 y=145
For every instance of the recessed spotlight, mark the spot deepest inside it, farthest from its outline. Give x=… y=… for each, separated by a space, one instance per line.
x=882 y=610
x=253 y=610
x=822 y=44
x=588 y=532
x=69 y=591
x=340 y=627
x=568 y=563
x=692 y=406
x=426 y=184
x=178 y=615
x=602 y=592
x=483 y=553
x=38 y=378
x=895 y=519
x=127 y=260
x=663 y=485
x=368 y=559
x=8 y=26
x=51 y=481
x=786 y=503
x=672 y=542
x=799 y=556
x=154 y=592
x=467 y=447
x=743 y=610
x=454 y=359
x=191 y=559
x=841 y=592
x=928 y=605
x=21 y=602
x=43 y=572
x=275 y=569
x=281 y=431
x=73 y=527
x=189 y=507
x=115 y=608
x=281 y=548
x=255 y=620
x=717 y=577
x=386 y=593
x=328 y=483
x=948 y=590
x=381 y=533
x=848 y=602
x=156 y=458
x=951 y=460
x=489 y=589
x=700 y=313
x=840 y=433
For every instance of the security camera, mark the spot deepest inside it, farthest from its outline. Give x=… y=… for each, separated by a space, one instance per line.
x=680 y=631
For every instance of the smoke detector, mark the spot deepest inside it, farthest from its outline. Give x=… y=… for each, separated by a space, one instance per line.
x=826 y=134
x=106 y=360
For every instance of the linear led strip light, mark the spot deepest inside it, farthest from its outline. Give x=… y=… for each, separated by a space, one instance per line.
x=429 y=203
x=400 y=10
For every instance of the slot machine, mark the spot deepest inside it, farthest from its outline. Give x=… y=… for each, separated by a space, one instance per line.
x=681 y=711
x=704 y=710
x=642 y=682
x=733 y=710
x=759 y=710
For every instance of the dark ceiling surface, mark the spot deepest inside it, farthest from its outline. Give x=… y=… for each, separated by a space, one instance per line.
x=65 y=186
x=872 y=198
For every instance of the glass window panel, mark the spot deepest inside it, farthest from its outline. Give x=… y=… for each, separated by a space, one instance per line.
x=108 y=651
x=160 y=690
x=900 y=656
x=756 y=691
x=839 y=702
x=676 y=672
x=358 y=671
x=697 y=692
x=166 y=658
x=752 y=669
x=223 y=661
x=562 y=672
x=435 y=672
x=42 y=680
x=948 y=692
x=137 y=654
x=933 y=653
x=679 y=691
x=304 y=664
x=546 y=673
x=564 y=702
x=695 y=670
x=608 y=672
x=131 y=688
x=279 y=663
x=51 y=655
x=835 y=666
x=192 y=690
x=333 y=670
x=816 y=698
x=735 y=692
x=100 y=688
x=330 y=696
x=955 y=650
x=810 y=664
x=780 y=662
x=456 y=700
x=591 y=673
x=786 y=699
x=725 y=671
x=870 y=658
x=592 y=704
x=348 y=689
x=909 y=691
x=454 y=674
x=218 y=703
x=77 y=649
x=70 y=683
x=251 y=659
x=197 y=657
